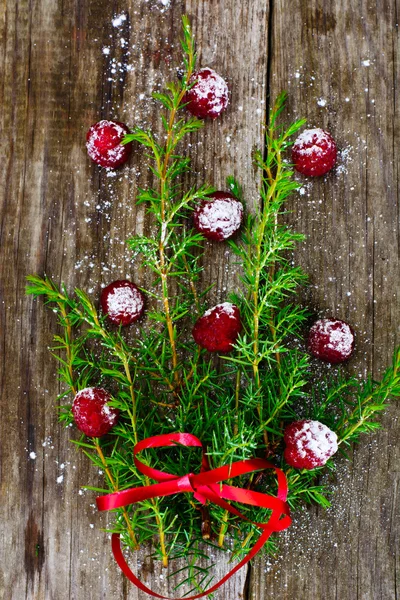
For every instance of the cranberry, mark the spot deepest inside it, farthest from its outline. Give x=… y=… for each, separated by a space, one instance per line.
x=314 y=152
x=217 y=330
x=91 y=412
x=220 y=217
x=209 y=95
x=103 y=143
x=331 y=340
x=122 y=302
x=309 y=444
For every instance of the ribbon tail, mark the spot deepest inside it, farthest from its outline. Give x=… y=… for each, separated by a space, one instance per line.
x=123 y=565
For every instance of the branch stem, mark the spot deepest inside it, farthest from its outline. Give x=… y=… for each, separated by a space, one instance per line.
x=115 y=489
x=68 y=343
x=270 y=186
x=223 y=529
x=162 y=167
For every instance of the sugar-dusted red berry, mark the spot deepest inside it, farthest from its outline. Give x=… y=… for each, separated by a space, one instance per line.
x=309 y=444
x=331 y=340
x=91 y=411
x=219 y=217
x=122 y=302
x=217 y=330
x=209 y=95
x=314 y=152
x=103 y=143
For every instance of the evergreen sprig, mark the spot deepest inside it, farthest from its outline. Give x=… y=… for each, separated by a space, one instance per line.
x=162 y=382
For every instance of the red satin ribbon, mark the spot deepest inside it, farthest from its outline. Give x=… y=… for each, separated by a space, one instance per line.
x=205 y=485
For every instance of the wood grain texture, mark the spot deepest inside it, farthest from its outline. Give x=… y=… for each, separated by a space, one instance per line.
x=346 y=54
x=63 y=216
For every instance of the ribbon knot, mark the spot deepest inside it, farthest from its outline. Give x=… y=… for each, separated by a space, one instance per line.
x=205 y=485
x=187 y=483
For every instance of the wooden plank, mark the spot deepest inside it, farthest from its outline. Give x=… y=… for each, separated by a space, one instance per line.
x=55 y=82
x=63 y=216
x=339 y=62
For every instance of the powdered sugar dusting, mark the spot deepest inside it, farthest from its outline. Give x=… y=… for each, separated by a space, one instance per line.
x=211 y=87
x=225 y=307
x=222 y=216
x=218 y=329
x=89 y=392
x=344 y=158
x=339 y=333
x=314 y=152
x=118 y=20
x=309 y=444
x=118 y=129
x=317 y=438
x=125 y=301
x=110 y=415
x=310 y=141
x=91 y=412
x=104 y=143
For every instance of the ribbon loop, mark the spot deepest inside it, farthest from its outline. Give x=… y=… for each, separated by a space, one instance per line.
x=205 y=485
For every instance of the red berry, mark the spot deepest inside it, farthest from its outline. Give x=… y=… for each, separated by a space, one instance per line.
x=103 y=143
x=309 y=444
x=209 y=95
x=220 y=217
x=331 y=340
x=122 y=302
x=217 y=330
x=91 y=412
x=314 y=152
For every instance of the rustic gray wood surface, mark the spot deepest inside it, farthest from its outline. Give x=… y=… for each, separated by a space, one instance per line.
x=64 y=65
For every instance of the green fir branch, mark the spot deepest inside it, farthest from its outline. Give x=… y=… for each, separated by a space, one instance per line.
x=163 y=382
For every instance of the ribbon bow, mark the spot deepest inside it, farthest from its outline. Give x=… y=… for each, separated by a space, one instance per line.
x=206 y=485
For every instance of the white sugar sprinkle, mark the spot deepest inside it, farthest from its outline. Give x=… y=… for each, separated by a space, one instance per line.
x=114 y=153
x=221 y=216
x=89 y=392
x=118 y=20
x=317 y=438
x=340 y=335
x=310 y=140
x=214 y=88
x=32 y=455
x=225 y=307
x=125 y=300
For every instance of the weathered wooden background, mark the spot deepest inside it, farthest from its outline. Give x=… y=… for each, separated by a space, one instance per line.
x=64 y=65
